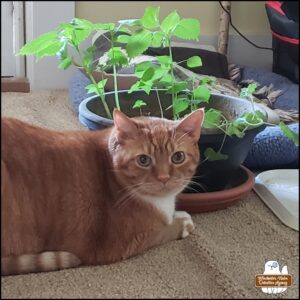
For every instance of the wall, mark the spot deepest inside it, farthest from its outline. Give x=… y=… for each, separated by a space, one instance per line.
x=248 y=16
x=41 y=17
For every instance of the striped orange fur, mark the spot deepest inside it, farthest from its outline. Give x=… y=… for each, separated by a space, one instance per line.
x=79 y=198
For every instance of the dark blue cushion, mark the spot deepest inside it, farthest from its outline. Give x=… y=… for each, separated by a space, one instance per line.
x=273 y=150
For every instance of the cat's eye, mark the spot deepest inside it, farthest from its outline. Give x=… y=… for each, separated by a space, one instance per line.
x=144 y=160
x=178 y=157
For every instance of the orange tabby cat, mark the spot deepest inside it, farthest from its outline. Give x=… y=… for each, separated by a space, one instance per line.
x=92 y=198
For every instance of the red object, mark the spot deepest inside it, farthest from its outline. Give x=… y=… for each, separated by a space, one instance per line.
x=286 y=39
x=276 y=5
x=205 y=202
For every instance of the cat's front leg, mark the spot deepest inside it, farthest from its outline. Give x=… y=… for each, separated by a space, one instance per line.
x=187 y=223
x=181 y=226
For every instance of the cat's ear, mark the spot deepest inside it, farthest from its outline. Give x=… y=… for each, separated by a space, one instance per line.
x=192 y=124
x=125 y=127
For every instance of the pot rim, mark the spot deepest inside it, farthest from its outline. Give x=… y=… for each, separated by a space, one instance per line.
x=212 y=201
x=208 y=131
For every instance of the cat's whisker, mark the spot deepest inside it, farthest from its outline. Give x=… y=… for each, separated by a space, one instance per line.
x=199 y=185
x=192 y=189
x=131 y=186
x=125 y=200
x=188 y=182
x=199 y=176
x=130 y=192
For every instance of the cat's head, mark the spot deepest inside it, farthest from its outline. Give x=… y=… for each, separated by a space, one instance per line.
x=153 y=156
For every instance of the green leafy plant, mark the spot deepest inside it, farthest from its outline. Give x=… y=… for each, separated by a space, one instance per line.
x=136 y=36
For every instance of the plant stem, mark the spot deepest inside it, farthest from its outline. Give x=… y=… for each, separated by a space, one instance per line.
x=115 y=75
x=252 y=102
x=172 y=75
x=160 y=107
x=193 y=105
x=116 y=88
x=180 y=62
x=223 y=141
x=95 y=84
x=100 y=94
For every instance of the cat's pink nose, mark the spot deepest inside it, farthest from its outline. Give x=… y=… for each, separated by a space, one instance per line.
x=163 y=178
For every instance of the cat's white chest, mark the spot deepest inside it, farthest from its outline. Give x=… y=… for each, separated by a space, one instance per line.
x=166 y=205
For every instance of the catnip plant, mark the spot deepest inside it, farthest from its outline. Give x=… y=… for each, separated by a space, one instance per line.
x=136 y=36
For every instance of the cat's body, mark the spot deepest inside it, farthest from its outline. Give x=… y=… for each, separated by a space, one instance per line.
x=80 y=198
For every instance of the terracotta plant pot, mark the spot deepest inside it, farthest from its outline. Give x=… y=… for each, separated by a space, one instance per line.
x=240 y=184
x=125 y=81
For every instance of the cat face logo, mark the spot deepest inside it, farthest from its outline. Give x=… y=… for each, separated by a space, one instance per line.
x=273 y=281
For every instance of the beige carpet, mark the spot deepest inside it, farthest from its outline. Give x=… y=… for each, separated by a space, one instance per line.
x=219 y=260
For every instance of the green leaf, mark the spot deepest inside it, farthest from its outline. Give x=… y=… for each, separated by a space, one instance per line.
x=244 y=93
x=81 y=23
x=289 y=133
x=96 y=88
x=177 y=87
x=207 y=80
x=252 y=88
x=253 y=119
x=151 y=17
x=248 y=91
x=194 y=61
x=66 y=63
x=212 y=118
x=63 y=51
x=141 y=85
x=117 y=56
x=101 y=84
x=38 y=43
x=180 y=105
x=188 y=29
x=233 y=129
x=170 y=22
x=139 y=104
x=138 y=43
x=157 y=38
x=140 y=68
x=201 y=93
x=146 y=86
x=260 y=115
x=166 y=79
x=143 y=66
x=88 y=56
x=158 y=73
x=148 y=74
x=123 y=38
x=211 y=155
x=104 y=26
x=130 y=22
x=249 y=120
x=79 y=35
x=164 y=60
x=50 y=50
x=134 y=87
x=91 y=88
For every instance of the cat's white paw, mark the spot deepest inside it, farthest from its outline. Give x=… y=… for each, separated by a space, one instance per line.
x=188 y=225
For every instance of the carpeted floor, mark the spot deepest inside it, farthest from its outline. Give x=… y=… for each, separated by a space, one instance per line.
x=219 y=260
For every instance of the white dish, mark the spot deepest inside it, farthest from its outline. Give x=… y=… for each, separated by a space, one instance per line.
x=279 y=189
